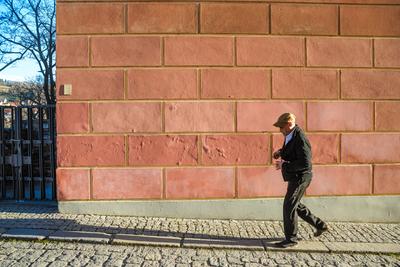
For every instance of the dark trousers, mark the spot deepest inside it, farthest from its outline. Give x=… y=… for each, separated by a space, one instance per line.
x=292 y=208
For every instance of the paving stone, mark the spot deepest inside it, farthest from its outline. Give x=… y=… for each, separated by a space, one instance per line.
x=213 y=261
x=92 y=237
x=250 y=244
x=234 y=260
x=363 y=247
x=29 y=234
x=147 y=240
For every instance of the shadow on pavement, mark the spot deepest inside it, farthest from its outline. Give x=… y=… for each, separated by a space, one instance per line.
x=55 y=225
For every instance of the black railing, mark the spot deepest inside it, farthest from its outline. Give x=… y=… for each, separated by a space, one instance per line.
x=27 y=153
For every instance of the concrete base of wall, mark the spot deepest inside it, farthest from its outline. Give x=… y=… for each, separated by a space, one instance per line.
x=348 y=208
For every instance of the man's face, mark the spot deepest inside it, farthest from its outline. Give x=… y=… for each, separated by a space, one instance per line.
x=285 y=130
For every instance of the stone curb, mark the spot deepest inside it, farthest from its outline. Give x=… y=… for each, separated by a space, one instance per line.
x=79 y=236
x=246 y=244
x=125 y=239
x=26 y=234
x=187 y=242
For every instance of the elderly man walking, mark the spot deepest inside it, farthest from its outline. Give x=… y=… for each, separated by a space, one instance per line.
x=294 y=160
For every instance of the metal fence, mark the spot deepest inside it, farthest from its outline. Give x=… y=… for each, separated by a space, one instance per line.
x=27 y=153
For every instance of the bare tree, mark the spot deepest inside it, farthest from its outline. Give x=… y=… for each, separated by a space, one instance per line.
x=27 y=30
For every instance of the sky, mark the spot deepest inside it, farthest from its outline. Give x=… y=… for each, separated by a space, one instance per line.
x=23 y=70
x=20 y=71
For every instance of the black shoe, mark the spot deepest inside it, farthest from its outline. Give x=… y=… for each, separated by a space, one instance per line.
x=286 y=244
x=320 y=231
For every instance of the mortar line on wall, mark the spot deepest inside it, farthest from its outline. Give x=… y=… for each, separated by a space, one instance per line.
x=227 y=67
x=338 y=16
x=199 y=86
x=234 y=51
x=236 y=183
x=229 y=34
x=91 y=183
x=200 y=149
x=164 y=181
x=270 y=18
x=199 y=167
x=125 y=84
x=90 y=50
x=240 y=199
x=306 y=115
x=271 y=147
x=162 y=51
x=224 y=198
x=198 y=6
x=340 y=84
x=374 y=116
x=87 y=117
x=373 y=52
x=231 y=166
x=373 y=179
x=163 y=117
x=126 y=150
x=126 y=17
x=258 y=132
x=90 y=118
x=270 y=84
x=305 y=52
x=340 y=149
x=373 y=3
x=206 y=100
x=235 y=119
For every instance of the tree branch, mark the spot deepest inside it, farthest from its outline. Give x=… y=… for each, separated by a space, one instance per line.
x=13 y=61
x=11 y=4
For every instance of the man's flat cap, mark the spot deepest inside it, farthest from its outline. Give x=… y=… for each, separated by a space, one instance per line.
x=284 y=119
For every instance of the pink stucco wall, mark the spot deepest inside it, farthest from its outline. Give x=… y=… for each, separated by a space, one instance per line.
x=177 y=100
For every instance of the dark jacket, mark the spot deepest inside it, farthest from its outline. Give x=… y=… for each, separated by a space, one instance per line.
x=298 y=154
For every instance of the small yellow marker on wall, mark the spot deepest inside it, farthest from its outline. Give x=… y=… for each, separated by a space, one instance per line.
x=67 y=89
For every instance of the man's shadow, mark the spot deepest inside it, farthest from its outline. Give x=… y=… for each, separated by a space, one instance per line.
x=143 y=233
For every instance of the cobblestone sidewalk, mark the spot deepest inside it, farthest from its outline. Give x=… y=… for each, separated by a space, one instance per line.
x=44 y=222
x=54 y=254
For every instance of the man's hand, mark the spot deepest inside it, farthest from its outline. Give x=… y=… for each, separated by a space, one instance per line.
x=278 y=164
x=277 y=154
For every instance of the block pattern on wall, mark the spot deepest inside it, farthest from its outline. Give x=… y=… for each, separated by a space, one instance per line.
x=177 y=100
